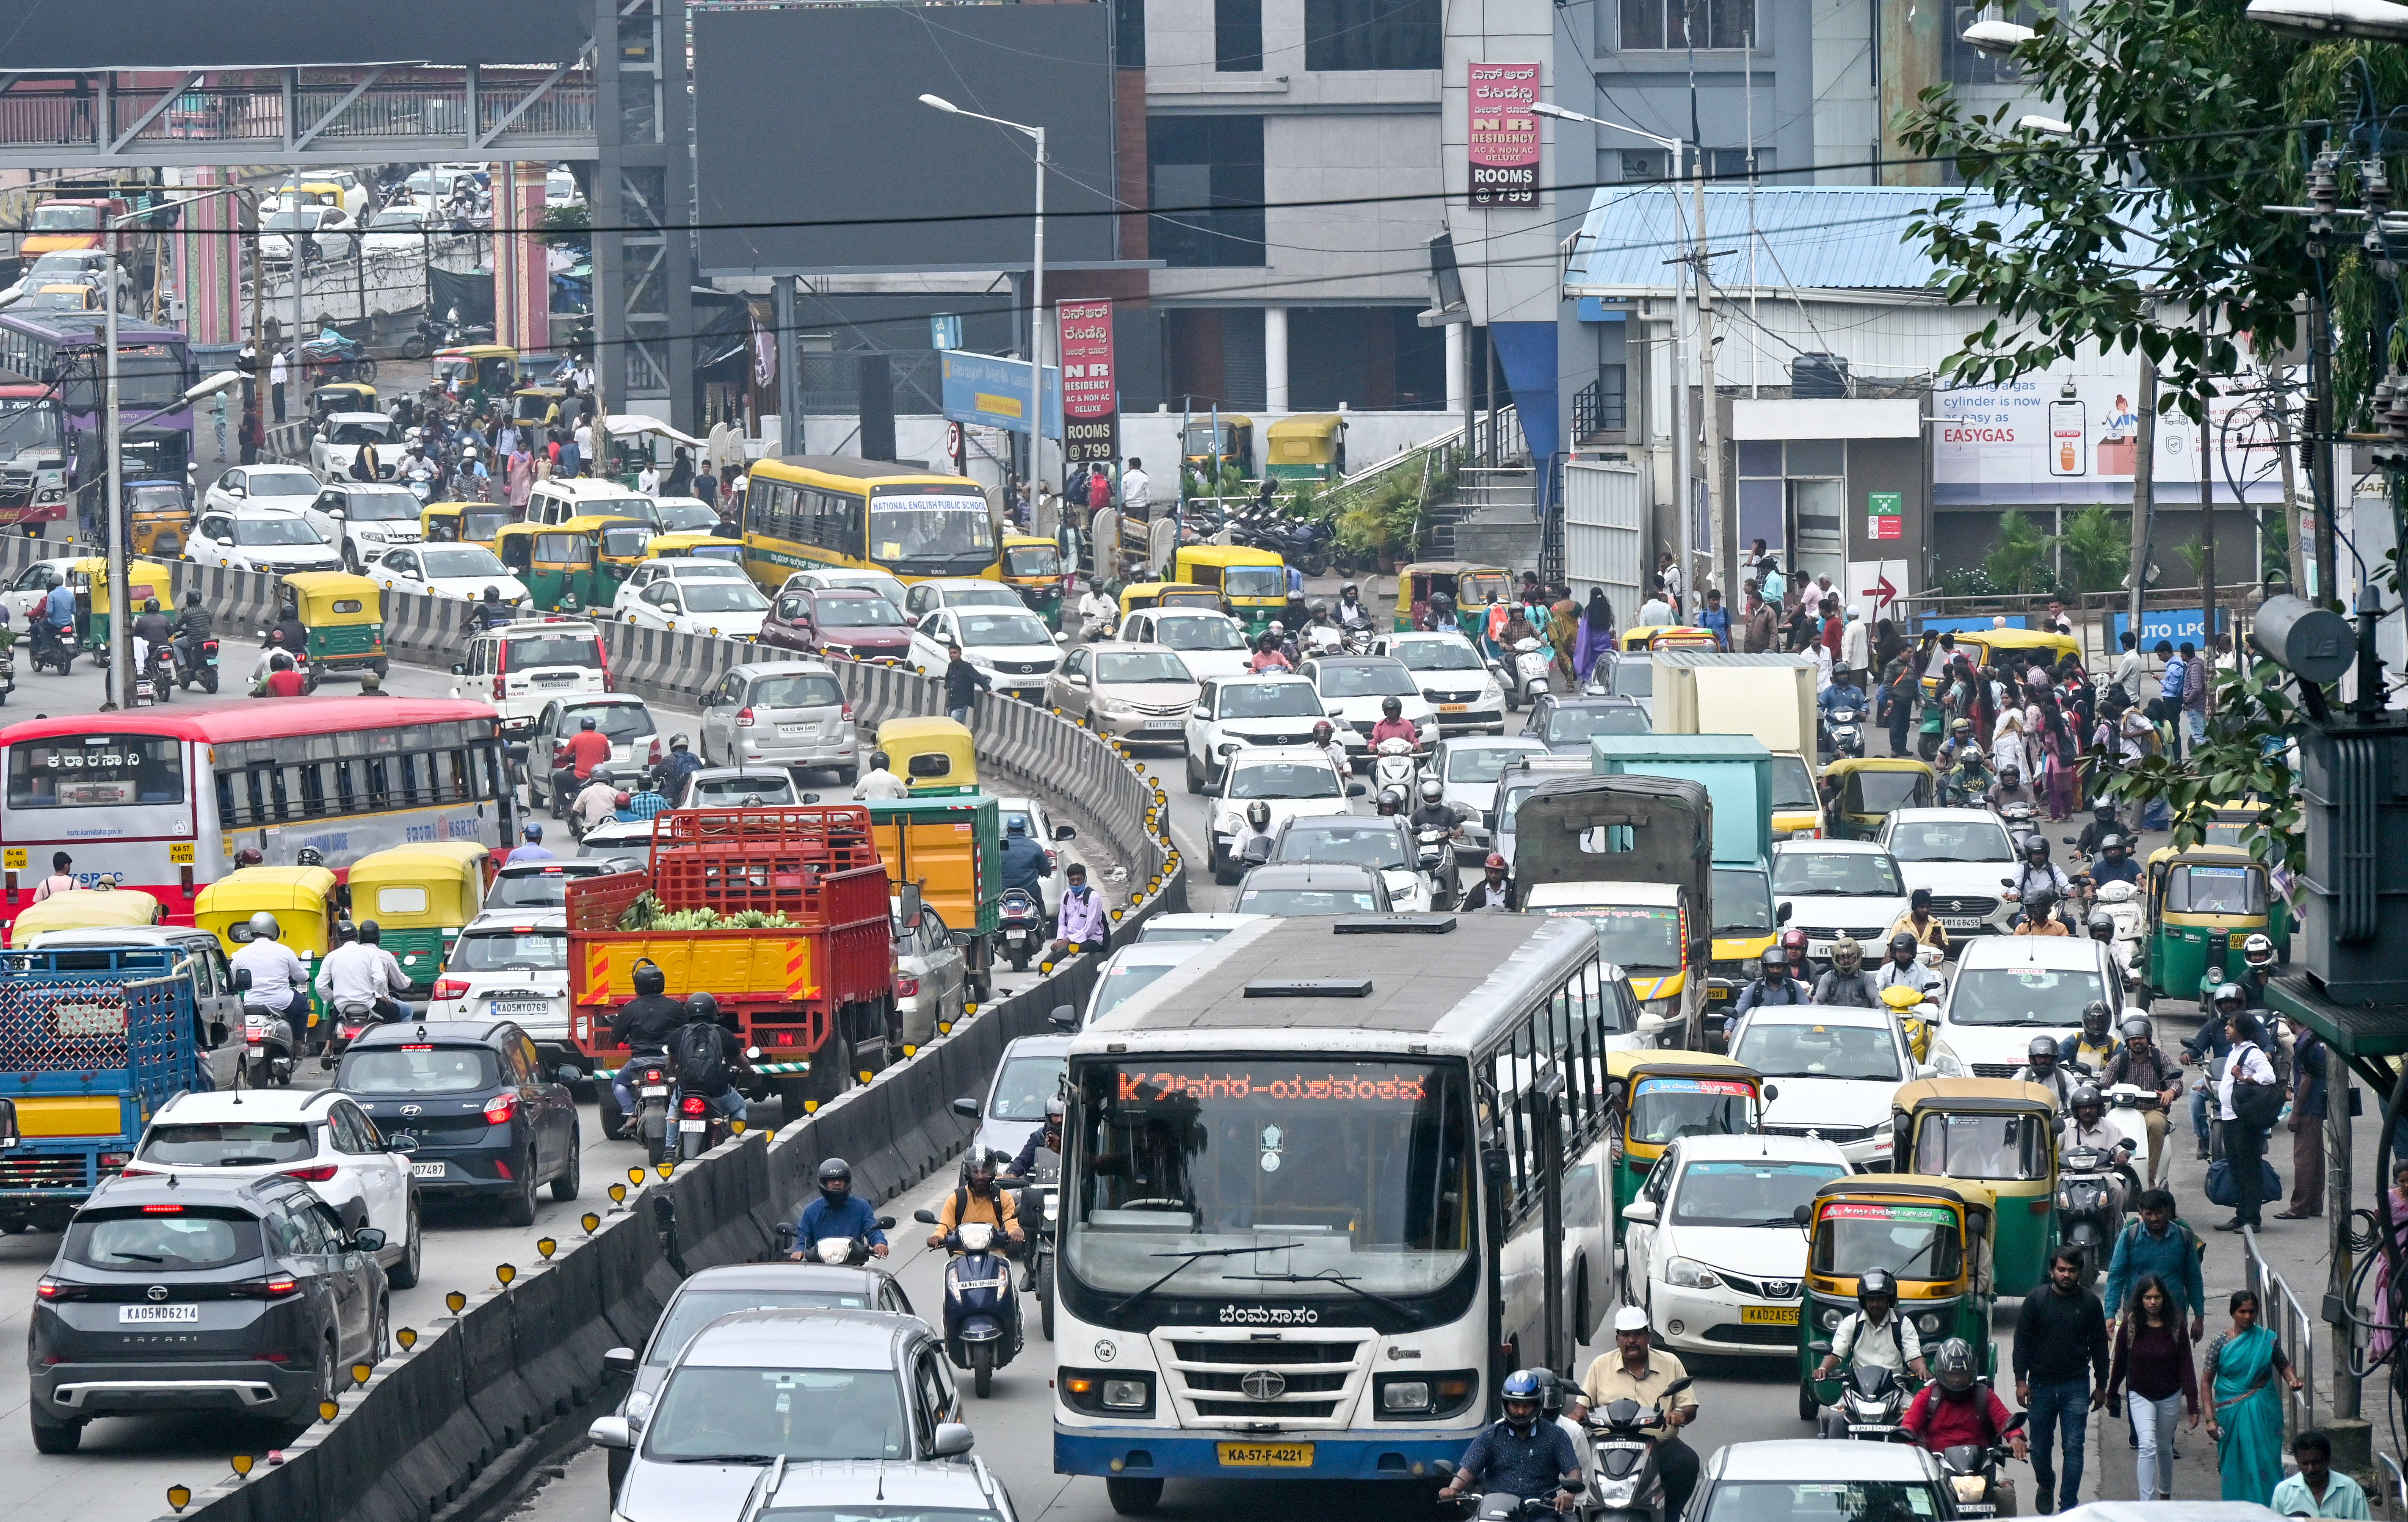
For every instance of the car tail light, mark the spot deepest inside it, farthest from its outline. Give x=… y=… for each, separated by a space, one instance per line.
x=654 y=759
x=451 y=989
x=132 y=1172
x=609 y=683
x=271 y=1358
x=318 y=1174
x=500 y=1108
x=692 y=1104
x=844 y=711
x=498 y=690
x=744 y=719
x=49 y=1289
x=907 y=987
x=115 y=1160
x=502 y=1168
x=274 y=1287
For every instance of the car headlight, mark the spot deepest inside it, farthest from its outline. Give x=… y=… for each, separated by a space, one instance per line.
x=1491 y=693
x=1686 y=1273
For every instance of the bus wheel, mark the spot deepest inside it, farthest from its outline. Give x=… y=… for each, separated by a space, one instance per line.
x=1133 y=1497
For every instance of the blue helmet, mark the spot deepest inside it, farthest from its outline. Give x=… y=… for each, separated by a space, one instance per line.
x=1525 y=1385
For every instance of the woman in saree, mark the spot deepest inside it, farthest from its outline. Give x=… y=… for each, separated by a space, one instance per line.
x=2245 y=1415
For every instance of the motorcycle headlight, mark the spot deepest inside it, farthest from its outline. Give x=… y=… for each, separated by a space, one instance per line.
x=1970 y=1489
x=1686 y=1273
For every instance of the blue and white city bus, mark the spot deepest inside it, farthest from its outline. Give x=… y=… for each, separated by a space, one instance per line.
x=1307 y=1213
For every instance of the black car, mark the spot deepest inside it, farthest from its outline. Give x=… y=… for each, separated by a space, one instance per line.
x=201 y=1295
x=488 y=1119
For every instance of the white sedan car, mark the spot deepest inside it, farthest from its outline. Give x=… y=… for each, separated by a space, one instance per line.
x=1453 y=676
x=397 y=230
x=316 y=1135
x=730 y=607
x=670 y=569
x=446 y=570
x=1211 y=644
x=1835 y=888
x=1835 y=1067
x=1012 y=646
x=262 y=485
x=1963 y=855
x=1356 y=688
x=888 y=586
x=274 y=540
x=1711 y=1248
x=1296 y=781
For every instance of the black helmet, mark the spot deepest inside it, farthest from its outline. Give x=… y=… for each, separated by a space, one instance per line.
x=1903 y=941
x=2228 y=993
x=2086 y=1097
x=2043 y=1052
x=835 y=1171
x=2135 y=1029
x=649 y=978
x=1953 y=1366
x=1879 y=1282
x=1774 y=963
x=2094 y=1018
x=2101 y=927
x=1391 y=707
x=1259 y=813
x=149 y=605
x=493 y=594
x=978 y=1168
x=701 y=1006
x=2109 y=844
x=2040 y=905
x=1391 y=800
x=878 y=760
x=308 y=855
x=371 y=934
x=2035 y=844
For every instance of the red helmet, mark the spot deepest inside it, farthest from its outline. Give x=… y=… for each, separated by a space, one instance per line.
x=1495 y=861
x=1794 y=941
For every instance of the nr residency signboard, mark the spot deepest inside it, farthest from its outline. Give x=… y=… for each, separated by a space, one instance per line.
x=1091 y=405
x=1000 y=393
x=1504 y=134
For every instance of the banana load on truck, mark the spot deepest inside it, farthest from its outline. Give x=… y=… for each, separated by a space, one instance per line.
x=779 y=914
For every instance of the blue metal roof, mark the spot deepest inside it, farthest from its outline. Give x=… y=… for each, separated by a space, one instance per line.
x=1829 y=237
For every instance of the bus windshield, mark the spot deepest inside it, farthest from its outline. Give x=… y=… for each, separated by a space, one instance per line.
x=28 y=427
x=930 y=526
x=84 y=771
x=1350 y=1175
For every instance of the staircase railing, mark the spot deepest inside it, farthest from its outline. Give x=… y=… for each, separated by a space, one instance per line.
x=1425 y=460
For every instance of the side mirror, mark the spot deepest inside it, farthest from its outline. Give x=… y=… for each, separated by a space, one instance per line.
x=618 y=1360
x=954 y=1439
x=1064 y=1016
x=1803 y=1213
x=926 y=1217
x=566 y=1075
x=887 y=1223
x=368 y=1239
x=1358 y=790
x=1781 y=916
x=1442 y=1468
x=1639 y=1209
x=1772 y=1092
x=242 y=980
x=610 y=1432
x=966 y=1109
x=1061 y=638
x=1818 y=1347
x=459 y=670
x=402 y=1144
x=1927 y=1070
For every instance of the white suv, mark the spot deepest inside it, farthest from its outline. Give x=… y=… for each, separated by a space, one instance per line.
x=521 y=666
x=1273 y=709
x=513 y=964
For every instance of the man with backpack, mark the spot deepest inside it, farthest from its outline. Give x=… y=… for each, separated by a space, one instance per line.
x=643 y=1026
x=708 y=1054
x=977 y=1199
x=2159 y=1243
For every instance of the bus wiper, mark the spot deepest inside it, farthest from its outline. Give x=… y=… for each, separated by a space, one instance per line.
x=1185 y=1258
x=1344 y=1282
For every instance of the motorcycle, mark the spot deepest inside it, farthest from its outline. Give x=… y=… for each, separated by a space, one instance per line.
x=1872 y=1402
x=836 y=1252
x=1435 y=851
x=2084 y=1178
x=8 y=672
x=981 y=1313
x=1629 y=1482
x=1021 y=927
x=655 y=1081
x=1843 y=732
x=1394 y=765
x=350 y=1019
x=1532 y=661
x=1094 y=627
x=49 y=648
x=2019 y=818
x=195 y=663
x=156 y=683
x=2129 y=1106
x=1040 y=1203
x=267 y=1049
x=1972 y=1472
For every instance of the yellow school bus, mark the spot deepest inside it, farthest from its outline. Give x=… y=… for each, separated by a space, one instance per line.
x=824 y=511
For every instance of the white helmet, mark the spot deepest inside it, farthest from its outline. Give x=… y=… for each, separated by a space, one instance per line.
x=264 y=927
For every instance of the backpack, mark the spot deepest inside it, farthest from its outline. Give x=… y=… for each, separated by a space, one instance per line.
x=701 y=1057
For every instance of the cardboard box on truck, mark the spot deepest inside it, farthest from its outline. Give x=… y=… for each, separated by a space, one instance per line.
x=1700 y=691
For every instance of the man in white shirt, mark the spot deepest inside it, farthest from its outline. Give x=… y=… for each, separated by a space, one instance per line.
x=597 y=804
x=2128 y=670
x=2244 y=1146
x=277 y=374
x=1097 y=610
x=1655 y=613
x=1137 y=491
x=363 y=972
x=1855 y=643
x=277 y=978
x=2087 y=1126
x=879 y=783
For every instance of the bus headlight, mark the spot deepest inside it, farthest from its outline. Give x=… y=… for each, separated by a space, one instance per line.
x=1125 y=1395
x=1404 y=1395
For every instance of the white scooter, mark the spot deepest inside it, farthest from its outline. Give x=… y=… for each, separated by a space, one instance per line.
x=2129 y=1106
x=1532 y=663
x=1393 y=765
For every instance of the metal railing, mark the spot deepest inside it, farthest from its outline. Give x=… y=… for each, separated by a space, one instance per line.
x=2280 y=1312
x=255 y=110
x=1602 y=405
x=1502 y=427
x=2398 y=1484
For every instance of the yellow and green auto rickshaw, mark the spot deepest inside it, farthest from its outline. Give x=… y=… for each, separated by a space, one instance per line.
x=158 y=518
x=1867 y=790
x=2235 y=824
x=1933 y=1234
x=1032 y=566
x=2201 y=905
x=1473 y=587
x=342 y=396
x=620 y=545
x=143 y=581
x=1139 y=595
x=1665 y=637
x=534 y=404
x=1655 y=1097
x=2002 y=1134
x=1308 y=447
x=1252 y=584
x=696 y=547
x=2018 y=647
x=1234 y=444
x=343 y=616
x=466 y=522
x=934 y=756
x=478 y=372
x=420 y=897
x=99 y=907
x=574 y=565
x=302 y=899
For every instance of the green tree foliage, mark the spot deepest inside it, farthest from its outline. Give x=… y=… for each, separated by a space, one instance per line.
x=2095 y=549
x=2019 y=561
x=2247 y=756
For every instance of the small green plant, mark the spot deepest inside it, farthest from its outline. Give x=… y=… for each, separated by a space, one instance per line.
x=2019 y=561
x=2096 y=550
x=1967 y=582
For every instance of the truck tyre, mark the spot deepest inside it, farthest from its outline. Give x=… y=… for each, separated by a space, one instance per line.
x=1133 y=1497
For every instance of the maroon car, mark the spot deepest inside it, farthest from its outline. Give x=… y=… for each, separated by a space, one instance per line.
x=849 y=623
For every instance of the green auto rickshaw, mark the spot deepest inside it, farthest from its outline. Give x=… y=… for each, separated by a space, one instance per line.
x=1865 y=790
x=553 y=560
x=1472 y=586
x=1999 y=1133
x=1932 y=1233
x=1032 y=566
x=1654 y=1097
x=2201 y=905
x=343 y=617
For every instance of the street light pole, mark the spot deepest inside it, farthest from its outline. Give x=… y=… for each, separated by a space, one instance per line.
x=1684 y=448
x=1036 y=287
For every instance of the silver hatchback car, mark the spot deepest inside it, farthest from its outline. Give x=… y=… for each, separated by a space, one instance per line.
x=780 y=713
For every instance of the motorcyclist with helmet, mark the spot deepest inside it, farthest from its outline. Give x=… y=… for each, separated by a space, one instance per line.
x=879 y=782
x=2101 y=927
x=2039 y=918
x=1318 y=632
x=194 y=626
x=152 y=627
x=1776 y=983
x=2041 y=1066
x=1268 y=655
x=279 y=980
x=2139 y=1062
x=1958 y=1409
x=1390 y=802
x=363 y=972
x=836 y=1212
x=681 y=765
x=979 y=1198
x=488 y=612
x=1257 y=826
x=1350 y=607
x=1495 y=889
x=1793 y=949
x=1046 y=1138
x=2095 y=1043
x=1873 y=1335
x=1435 y=814
x=2086 y=1126
x=1904 y=966
x=1392 y=724
x=1968 y=781
x=703 y=1009
x=1847 y=983
x=2010 y=789
x=2256 y=965
x=2035 y=875
x=2209 y=1048
x=1026 y=864
x=643 y=1026
x=1324 y=738
x=1521 y=1454
x=2114 y=863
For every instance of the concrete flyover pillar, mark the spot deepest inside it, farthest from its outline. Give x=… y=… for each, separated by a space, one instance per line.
x=1275 y=369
